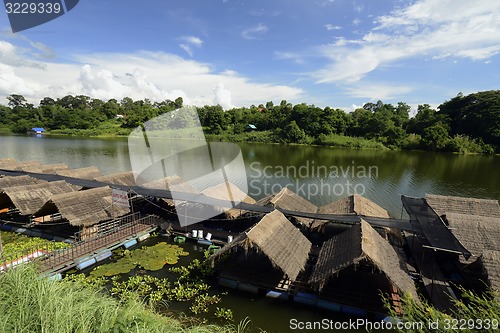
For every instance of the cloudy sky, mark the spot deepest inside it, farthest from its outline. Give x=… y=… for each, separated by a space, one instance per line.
x=335 y=53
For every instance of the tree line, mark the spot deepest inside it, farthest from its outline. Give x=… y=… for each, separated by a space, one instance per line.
x=466 y=124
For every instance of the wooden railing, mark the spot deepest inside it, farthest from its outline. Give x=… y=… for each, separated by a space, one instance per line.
x=113 y=232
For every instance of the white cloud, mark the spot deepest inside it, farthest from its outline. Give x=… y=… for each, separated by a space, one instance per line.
x=255 y=32
x=189 y=42
x=222 y=97
x=154 y=75
x=331 y=27
x=432 y=29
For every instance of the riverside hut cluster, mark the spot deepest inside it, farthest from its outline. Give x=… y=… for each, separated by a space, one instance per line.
x=341 y=257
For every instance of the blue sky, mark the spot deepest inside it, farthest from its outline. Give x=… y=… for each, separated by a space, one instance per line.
x=336 y=53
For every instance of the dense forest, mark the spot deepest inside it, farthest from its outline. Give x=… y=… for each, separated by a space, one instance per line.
x=465 y=124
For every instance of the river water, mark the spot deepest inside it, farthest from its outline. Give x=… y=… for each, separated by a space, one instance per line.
x=319 y=174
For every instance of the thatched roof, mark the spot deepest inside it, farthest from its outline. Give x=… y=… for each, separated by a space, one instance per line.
x=84 y=208
x=491 y=267
x=17 y=165
x=171 y=183
x=7 y=160
x=121 y=178
x=352 y=205
x=360 y=242
x=82 y=173
x=470 y=206
x=276 y=237
x=287 y=199
x=476 y=233
x=29 y=198
x=230 y=192
x=10 y=181
x=45 y=168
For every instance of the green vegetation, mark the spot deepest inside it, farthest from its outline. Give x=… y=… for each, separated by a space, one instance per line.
x=473 y=313
x=464 y=124
x=33 y=304
x=190 y=286
x=151 y=258
x=16 y=245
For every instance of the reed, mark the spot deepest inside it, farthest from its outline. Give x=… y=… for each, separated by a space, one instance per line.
x=34 y=304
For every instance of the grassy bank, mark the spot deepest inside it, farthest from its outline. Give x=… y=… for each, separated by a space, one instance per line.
x=33 y=304
x=473 y=313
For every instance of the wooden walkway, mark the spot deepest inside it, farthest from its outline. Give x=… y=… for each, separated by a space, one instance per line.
x=64 y=259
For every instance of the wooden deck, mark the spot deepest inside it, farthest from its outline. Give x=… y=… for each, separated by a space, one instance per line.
x=129 y=227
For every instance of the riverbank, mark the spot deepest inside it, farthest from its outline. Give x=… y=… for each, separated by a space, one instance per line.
x=34 y=304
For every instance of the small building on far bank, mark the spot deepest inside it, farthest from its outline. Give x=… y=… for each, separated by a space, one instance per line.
x=37 y=130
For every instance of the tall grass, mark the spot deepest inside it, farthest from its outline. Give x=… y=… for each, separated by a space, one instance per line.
x=473 y=313
x=30 y=303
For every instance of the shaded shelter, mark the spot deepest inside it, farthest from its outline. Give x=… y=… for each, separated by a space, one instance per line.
x=352 y=205
x=10 y=181
x=29 y=198
x=358 y=264
x=273 y=238
x=84 y=208
x=120 y=178
x=289 y=200
x=83 y=173
x=45 y=168
x=230 y=192
x=490 y=261
x=469 y=206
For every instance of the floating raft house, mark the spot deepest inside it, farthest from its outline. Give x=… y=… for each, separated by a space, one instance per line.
x=289 y=200
x=274 y=238
x=29 y=198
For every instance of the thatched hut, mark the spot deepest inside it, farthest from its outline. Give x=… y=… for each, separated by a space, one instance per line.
x=476 y=233
x=120 y=178
x=474 y=222
x=45 y=168
x=468 y=206
x=266 y=253
x=84 y=208
x=229 y=192
x=27 y=199
x=289 y=200
x=10 y=181
x=352 y=205
x=354 y=266
x=490 y=261
x=81 y=173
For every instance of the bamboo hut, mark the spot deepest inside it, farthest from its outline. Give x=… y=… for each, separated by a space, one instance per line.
x=27 y=199
x=81 y=173
x=490 y=261
x=354 y=266
x=10 y=181
x=42 y=168
x=120 y=178
x=271 y=250
x=229 y=192
x=352 y=205
x=172 y=183
x=289 y=200
x=83 y=209
x=468 y=206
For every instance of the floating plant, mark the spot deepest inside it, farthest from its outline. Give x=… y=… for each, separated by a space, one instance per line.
x=151 y=258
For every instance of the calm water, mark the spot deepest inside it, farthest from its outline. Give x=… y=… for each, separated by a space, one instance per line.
x=320 y=174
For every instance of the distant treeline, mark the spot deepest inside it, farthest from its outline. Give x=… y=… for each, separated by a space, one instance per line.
x=465 y=124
